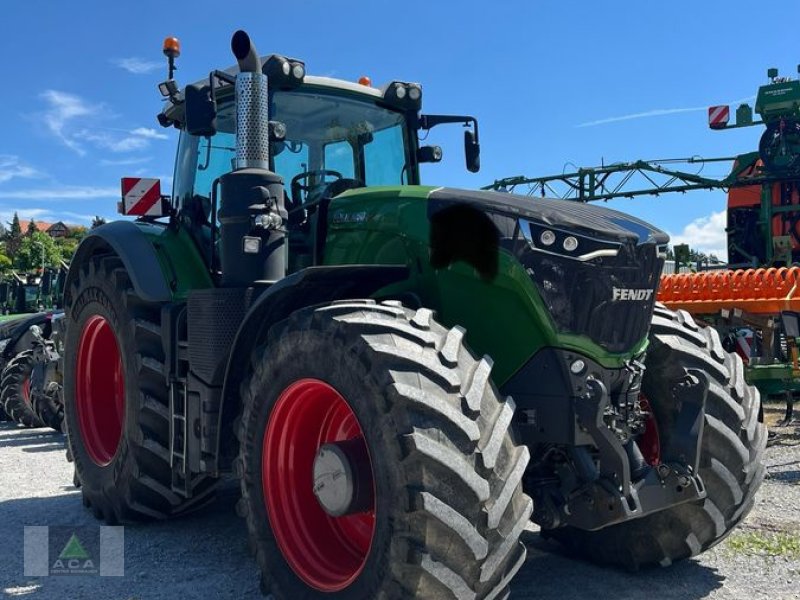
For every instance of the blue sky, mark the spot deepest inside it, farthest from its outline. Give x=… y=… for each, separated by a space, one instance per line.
x=80 y=94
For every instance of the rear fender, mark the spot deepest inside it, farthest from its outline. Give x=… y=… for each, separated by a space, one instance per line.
x=135 y=251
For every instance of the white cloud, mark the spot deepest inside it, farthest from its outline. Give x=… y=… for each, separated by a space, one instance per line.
x=124 y=162
x=44 y=214
x=136 y=139
x=107 y=141
x=649 y=113
x=137 y=66
x=658 y=112
x=62 y=193
x=25 y=214
x=11 y=167
x=706 y=234
x=62 y=109
x=149 y=133
x=73 y=217
x=63 y=118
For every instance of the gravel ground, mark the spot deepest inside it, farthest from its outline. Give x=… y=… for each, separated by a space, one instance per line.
x=205 y=555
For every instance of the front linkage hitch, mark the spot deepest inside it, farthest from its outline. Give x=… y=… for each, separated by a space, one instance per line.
x=603 y=484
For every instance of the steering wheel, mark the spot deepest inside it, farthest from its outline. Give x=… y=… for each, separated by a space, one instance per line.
x=298 y=187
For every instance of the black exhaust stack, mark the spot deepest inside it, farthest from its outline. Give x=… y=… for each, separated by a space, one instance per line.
x=251 y=208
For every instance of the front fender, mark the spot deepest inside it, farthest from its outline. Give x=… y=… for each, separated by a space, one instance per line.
x=309 y=287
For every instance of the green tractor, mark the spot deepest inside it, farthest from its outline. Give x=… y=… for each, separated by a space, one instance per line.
x=304 y=314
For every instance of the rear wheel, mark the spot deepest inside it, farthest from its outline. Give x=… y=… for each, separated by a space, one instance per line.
x=15 y=390
x=376 y=460
x=731 y=460
x=116 y=399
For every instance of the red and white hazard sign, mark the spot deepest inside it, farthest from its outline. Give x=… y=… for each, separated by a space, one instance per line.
x=141 y=197
x=718 y=116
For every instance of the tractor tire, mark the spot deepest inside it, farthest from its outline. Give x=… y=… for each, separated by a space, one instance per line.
x=731 y=460
x=15 y=390
x=116 y=402
x=445 y=506
x=49 y=406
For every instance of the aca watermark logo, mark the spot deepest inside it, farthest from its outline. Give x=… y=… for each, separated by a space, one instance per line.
x=65 y=551
x=74 y=560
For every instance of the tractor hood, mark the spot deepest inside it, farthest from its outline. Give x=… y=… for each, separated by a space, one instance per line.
x=588 y=219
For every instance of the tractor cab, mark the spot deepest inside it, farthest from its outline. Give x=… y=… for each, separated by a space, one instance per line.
x=327 y=136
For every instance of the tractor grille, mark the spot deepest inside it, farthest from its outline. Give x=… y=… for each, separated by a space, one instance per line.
x=215 y=316
x=582 y=299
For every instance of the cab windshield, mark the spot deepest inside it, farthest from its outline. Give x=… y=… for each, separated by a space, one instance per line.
x=329 y=136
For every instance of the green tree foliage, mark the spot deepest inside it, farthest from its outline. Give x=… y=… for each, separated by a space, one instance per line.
x=67 y=246
x=77 y=232
x=5 y=264
x=28 y=258
x=23 y=250
x=14 y=236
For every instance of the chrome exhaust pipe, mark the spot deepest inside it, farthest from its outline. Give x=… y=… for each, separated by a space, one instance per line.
x=252 y=106
x=251 y=213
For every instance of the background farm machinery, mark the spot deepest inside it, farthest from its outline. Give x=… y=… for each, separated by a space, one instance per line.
x=30 y=374
x=32 y=292
x=30 y=337
x=753 y=301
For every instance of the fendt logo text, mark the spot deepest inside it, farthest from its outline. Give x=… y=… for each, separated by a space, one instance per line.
x=631 y=294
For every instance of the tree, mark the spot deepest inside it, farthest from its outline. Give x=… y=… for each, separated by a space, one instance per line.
x=97 y=221
x=31 y=227
x=77 y=232
x=66 y=247
x=14 y=237
x=29 y=256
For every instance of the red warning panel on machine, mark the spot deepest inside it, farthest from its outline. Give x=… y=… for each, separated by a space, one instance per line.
x=141 y=197
x=718 y=116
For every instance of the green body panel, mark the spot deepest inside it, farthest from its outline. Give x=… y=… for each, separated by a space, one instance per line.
x=504 y=318
x=181 y=263
x=773 y=379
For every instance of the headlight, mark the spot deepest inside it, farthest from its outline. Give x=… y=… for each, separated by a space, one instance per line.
x=404 y=95
x=570 y=243
x=284 y=73
x=543 y=238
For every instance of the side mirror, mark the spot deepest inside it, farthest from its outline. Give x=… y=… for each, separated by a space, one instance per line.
x=472 y=152
x=429 y=154
x=201 y=110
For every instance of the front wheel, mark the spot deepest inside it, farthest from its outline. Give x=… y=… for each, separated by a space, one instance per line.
x=376 y=460
x=15 y=390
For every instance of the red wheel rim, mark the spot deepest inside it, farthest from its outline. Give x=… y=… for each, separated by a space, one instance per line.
x=99 y=390
x=650 y=441
x=26 y=390
x=327 y=553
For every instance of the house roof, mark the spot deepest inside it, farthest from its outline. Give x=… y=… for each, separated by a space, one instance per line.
x=43 y=226
x=40 y=225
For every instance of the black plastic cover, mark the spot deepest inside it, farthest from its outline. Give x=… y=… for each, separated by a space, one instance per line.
x=589 y=219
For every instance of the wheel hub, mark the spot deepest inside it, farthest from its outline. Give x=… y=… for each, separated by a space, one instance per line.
x=99 y=390
x=318 y=485
x=342 y=478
